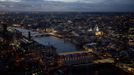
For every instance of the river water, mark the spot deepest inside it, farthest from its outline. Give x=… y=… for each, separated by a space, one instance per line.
x=65 y=46
x=61 y=45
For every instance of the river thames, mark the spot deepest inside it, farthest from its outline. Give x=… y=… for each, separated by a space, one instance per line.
x=66 y=46
x=60 y=44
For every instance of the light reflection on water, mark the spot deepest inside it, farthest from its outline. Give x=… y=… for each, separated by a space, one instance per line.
x=60 y=44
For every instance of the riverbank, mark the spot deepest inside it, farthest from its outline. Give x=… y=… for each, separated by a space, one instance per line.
x=61 y=44
x=100 y=69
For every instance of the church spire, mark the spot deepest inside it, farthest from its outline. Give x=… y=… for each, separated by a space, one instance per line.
x=96 y=28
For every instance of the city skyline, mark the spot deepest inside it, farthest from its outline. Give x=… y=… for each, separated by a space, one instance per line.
x=66 y=43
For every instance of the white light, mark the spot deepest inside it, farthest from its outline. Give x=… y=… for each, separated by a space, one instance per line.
x=11 y=0
x=83 y=1
x=34 y=74
x=90 y=30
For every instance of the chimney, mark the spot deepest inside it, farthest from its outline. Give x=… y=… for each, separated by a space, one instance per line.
x=29 y=35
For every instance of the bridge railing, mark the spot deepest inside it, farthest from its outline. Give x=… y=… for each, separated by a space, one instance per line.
x=76 y=58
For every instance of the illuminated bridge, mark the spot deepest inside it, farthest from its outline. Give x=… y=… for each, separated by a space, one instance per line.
x=81 y=58
x=74 y=58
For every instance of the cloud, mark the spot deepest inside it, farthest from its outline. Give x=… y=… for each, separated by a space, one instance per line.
x=81 y=1
x=78 y=1
x=11 y=0
x=68 y=5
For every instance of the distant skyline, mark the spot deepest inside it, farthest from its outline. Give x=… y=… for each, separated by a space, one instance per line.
x=68 y=5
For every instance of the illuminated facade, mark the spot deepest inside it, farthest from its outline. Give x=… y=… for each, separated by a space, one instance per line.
x=131 y=37
x=98 y=32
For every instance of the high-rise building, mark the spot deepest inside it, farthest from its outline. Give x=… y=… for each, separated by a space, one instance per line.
x=29 y=35
x=131 y=37
x=4 y=31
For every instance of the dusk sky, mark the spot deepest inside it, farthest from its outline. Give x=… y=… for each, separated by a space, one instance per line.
x=80 y=1
x=68 y=5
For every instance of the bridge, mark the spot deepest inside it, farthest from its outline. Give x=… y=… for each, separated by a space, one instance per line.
x=81 y=58
x=47 y=34
x=78 y=57
x=44 y=34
